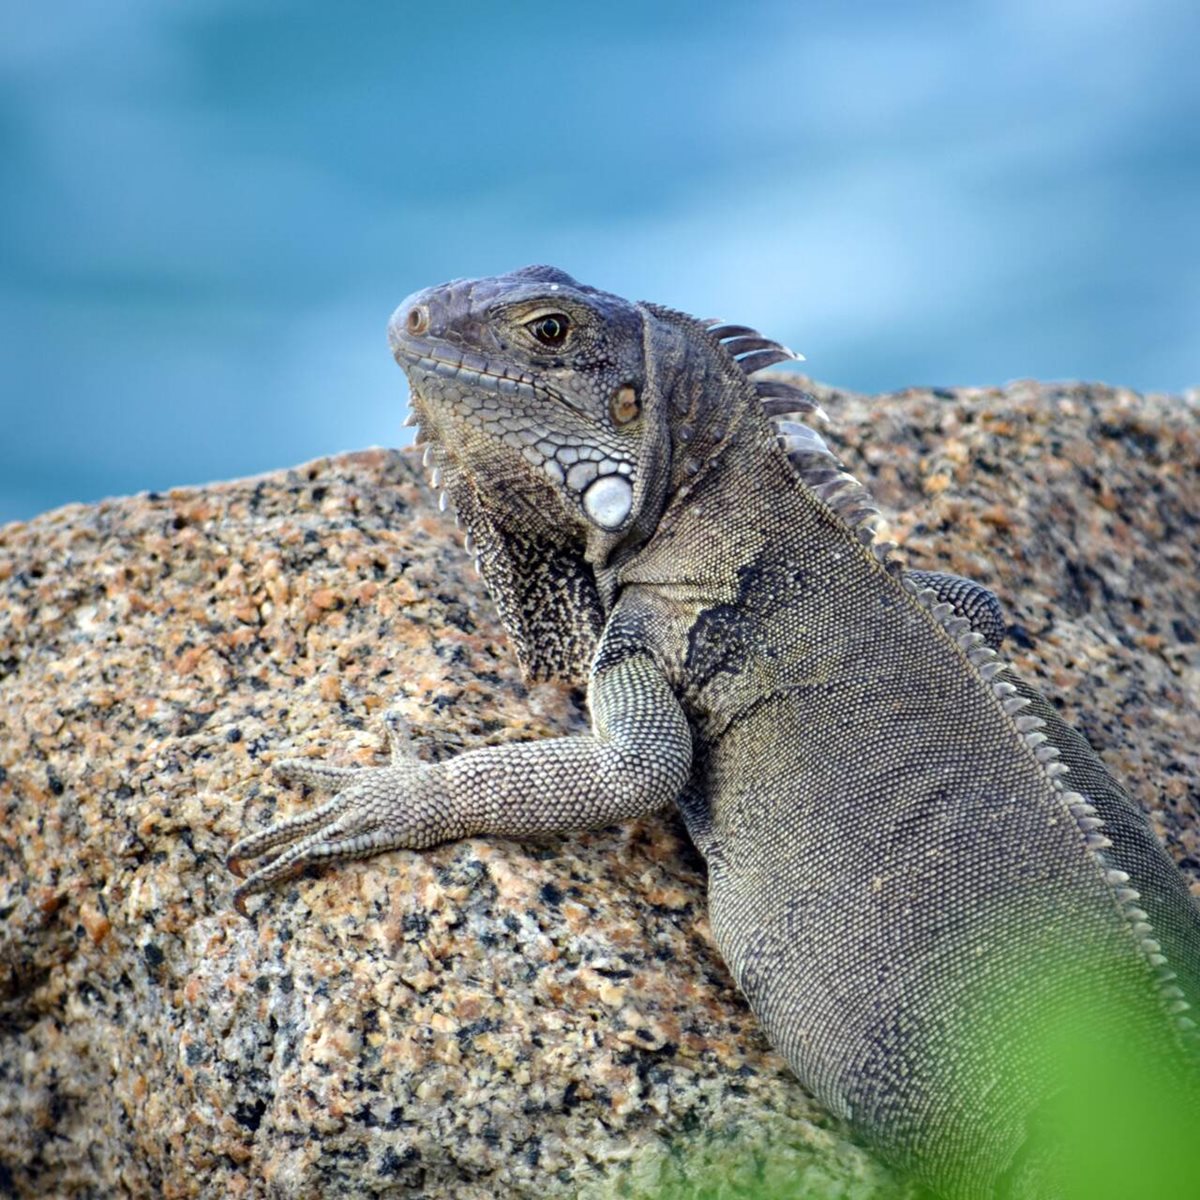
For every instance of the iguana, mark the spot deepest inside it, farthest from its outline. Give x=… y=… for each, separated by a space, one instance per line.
x=900 y=834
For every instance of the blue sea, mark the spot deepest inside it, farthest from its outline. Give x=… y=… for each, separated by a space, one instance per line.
x=209 y=210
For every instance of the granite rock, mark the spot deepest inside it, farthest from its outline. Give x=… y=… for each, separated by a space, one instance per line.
x=488 y=1018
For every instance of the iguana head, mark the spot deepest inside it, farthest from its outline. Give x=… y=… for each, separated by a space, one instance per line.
x=534 y=385
x=560 y=418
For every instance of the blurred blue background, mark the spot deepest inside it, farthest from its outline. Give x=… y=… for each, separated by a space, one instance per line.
x=208 y=211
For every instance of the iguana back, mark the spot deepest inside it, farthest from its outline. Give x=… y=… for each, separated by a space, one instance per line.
x=900 y=885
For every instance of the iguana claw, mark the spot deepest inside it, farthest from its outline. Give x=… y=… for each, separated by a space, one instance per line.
x=367 y=814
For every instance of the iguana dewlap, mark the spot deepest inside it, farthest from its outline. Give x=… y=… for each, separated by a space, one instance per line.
x=912 y=861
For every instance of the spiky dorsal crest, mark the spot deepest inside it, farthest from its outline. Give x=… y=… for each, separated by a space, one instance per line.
x=1015 y=698
x=753 y=353
x=783 y=401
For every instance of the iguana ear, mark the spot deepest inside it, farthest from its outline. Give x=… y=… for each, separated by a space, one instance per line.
x=544 y=590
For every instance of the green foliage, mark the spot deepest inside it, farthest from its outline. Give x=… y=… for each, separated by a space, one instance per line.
x=1127 y=1121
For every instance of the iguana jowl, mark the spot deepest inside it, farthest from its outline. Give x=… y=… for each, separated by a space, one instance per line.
x=899 y=833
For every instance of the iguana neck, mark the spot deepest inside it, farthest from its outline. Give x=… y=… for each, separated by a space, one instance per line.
x=706 y=411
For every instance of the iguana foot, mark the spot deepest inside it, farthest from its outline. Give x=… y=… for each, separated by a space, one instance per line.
x=374 y=809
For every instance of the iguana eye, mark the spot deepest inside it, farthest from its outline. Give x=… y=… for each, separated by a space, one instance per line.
x=550 y=330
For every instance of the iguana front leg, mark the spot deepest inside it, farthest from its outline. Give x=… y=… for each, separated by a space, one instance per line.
x=636 y=760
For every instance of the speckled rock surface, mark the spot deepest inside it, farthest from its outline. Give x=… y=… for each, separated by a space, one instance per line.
x=487 y=1018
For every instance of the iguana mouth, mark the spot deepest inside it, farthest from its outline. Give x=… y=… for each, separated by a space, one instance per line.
x=478 y=373
x=479 y=376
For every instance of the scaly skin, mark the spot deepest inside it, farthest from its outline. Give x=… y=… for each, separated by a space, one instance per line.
x=906 y=847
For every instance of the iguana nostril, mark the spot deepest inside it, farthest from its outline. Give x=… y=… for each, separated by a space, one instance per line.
x=417 y=321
